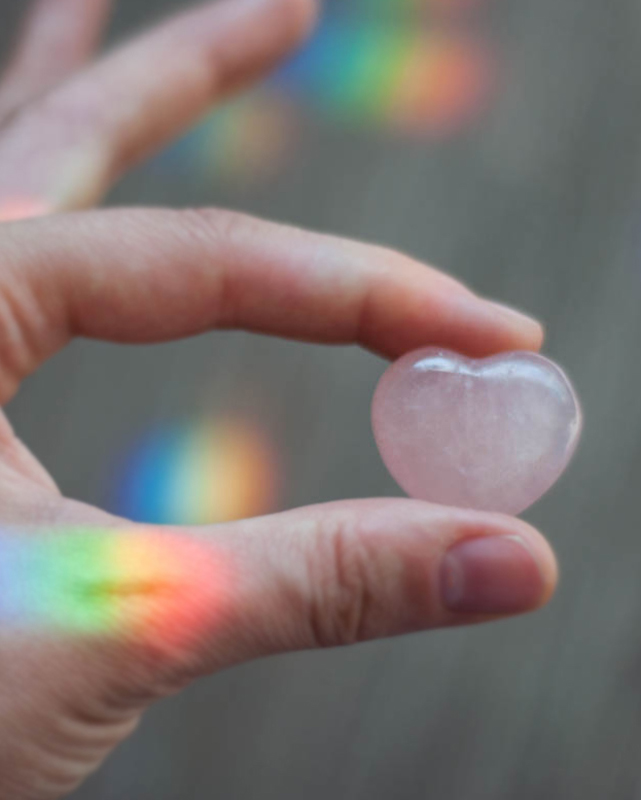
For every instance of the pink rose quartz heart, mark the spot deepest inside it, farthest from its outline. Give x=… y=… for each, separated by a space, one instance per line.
x=492 y=434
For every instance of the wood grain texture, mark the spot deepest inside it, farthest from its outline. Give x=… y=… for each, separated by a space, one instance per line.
x=539 y=206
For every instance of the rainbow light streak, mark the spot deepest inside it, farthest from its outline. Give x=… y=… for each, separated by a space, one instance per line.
x=20 y=208
x=150 y=587
x=198 y=473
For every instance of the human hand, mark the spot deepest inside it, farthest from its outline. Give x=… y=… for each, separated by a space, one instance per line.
x=100 y=617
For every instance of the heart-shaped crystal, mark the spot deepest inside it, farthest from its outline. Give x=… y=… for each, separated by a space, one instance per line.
x=492 y=434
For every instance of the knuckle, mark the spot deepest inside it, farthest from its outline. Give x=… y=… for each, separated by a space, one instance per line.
x=222 y=231
x=150 y=672
x=348 y=579
x=26 y=334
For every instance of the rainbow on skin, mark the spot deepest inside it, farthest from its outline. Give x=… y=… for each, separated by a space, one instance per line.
x=144 y=586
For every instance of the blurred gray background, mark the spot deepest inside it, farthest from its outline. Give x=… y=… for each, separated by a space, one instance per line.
x=537 y=203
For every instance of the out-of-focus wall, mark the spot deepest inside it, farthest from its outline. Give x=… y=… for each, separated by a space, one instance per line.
x=528 y=189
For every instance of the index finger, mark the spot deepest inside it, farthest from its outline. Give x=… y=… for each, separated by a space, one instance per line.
x=63 y=152
x=58 y=36
x=155 y=275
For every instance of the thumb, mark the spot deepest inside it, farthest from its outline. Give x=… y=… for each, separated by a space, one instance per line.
x=348 y=572
x=97 y=624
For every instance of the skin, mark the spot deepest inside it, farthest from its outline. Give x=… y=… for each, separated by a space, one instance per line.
x=329 y=575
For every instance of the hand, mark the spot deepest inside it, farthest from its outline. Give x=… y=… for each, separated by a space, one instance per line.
x=100 y=617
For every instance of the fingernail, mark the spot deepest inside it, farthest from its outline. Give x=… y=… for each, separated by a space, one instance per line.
x=491 y=575
x=516 y=317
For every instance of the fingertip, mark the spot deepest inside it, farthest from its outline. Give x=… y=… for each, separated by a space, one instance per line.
x=289 y=21
x=487 y=327
x=303 y=15
x=500 y=567
x=545 y=558
x=411 y=305
x=528 y=332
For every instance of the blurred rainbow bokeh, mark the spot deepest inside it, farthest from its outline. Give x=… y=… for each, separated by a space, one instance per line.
x=396 y=8
x=401 y=67
x=198 y=472
x=245 y=140
x=413 y=80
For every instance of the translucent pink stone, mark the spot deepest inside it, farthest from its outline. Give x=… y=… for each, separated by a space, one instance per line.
x=492 y=434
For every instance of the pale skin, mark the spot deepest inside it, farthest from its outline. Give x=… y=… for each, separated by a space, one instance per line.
x=328 y=575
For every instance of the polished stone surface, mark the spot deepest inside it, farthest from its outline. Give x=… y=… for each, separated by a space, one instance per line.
x=492 y=434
